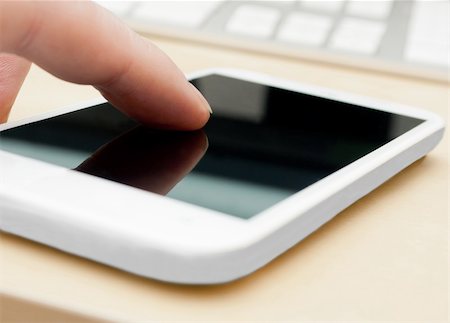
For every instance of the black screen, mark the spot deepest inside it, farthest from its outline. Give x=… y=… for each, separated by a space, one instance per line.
x=261 y=145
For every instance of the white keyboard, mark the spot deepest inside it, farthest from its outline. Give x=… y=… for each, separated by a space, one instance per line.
x=399 y=36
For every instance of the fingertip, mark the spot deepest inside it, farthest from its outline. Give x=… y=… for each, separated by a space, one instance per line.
x=203 y=102
x=198 y=120
x=198 y=111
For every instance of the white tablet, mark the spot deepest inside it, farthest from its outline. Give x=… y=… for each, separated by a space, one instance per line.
x=275 y=162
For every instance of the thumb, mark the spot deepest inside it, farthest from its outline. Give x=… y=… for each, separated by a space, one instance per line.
x=13 y=70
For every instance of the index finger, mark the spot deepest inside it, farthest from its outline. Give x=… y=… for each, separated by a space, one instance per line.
x=83 y=43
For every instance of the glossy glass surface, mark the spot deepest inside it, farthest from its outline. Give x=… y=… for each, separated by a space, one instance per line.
x=261 y=145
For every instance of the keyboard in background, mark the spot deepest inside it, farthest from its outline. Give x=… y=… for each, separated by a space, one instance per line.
x=397 y=36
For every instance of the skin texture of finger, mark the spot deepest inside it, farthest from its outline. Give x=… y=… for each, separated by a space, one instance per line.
x=83 y=43
x=13 y=70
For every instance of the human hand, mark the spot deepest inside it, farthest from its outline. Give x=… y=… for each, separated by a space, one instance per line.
x=83 y=43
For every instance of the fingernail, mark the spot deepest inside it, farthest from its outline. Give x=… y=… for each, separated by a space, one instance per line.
x=202 y=98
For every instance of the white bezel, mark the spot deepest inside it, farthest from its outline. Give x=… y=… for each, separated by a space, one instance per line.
x=162 y=238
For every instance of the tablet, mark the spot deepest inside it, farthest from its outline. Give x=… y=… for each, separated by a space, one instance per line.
x=275 y=162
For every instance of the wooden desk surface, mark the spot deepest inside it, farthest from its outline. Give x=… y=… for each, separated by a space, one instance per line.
x=384 y=258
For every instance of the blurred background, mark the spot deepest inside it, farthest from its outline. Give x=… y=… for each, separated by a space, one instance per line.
x=399 y=36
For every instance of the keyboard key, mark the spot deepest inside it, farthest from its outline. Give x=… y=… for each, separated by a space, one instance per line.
x=178 y=13
x=429 y=34
x=304 y=28
x=329 y=6
x=376 y=9
x=119 y=8
x=253 y=20
x=358 y=36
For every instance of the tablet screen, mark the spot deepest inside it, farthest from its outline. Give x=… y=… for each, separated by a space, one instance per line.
x=261 y=145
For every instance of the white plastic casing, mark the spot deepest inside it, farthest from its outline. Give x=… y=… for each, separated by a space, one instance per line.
x=158 y=237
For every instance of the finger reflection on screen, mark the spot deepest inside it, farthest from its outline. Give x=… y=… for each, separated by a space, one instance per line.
x=148 y=159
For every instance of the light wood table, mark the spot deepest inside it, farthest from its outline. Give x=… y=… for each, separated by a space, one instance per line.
x=385 y=258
